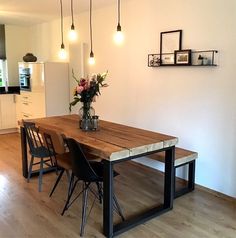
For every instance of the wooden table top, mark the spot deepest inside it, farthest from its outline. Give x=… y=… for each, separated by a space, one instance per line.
x=112 y=141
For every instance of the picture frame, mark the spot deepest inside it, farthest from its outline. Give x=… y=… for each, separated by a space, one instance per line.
x=154 y=60
x=167 y=59
x=170 y=41
x=183 y=57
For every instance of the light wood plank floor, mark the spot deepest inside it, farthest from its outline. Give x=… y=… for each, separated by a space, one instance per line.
x=24 y=212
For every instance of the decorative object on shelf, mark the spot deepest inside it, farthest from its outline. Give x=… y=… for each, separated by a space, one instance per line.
x=91 y=55
x=183 y=57
x=169 y=42
x=62 y=52
x=205 y=61
x=72 y=34
x=154 y=60
x=119 y=36
x=200 y=60
x=167 y=59
x=85 y=92
x=29 y=57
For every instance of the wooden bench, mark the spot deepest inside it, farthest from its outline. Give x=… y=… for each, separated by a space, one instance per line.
x=182 y=157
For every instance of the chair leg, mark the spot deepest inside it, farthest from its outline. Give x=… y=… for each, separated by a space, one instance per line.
x=70 y=192
x=40 y=174
x=118 y=207
x=30 y=168
x=57 y=181
x=99 y=192
x=68 y=178
x=84 y=208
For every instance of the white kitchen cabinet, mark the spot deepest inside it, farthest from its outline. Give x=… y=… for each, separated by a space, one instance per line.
x=49 y=95
x=7 y=111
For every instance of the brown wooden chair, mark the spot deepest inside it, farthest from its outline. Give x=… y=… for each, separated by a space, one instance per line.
x=55 y=142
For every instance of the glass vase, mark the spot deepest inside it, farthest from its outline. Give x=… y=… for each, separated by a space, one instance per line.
x=86 y=114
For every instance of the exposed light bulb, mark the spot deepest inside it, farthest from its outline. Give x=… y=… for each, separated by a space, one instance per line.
x=91 y=58
x=119 y=37
x=62 y=53
x=73 y=34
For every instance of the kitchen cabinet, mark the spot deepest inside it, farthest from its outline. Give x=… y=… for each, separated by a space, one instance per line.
x=30 y=105
x=49 y=91
x=7 y=111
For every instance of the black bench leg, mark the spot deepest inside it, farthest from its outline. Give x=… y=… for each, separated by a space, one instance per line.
x=191 y=180
x=191 y=176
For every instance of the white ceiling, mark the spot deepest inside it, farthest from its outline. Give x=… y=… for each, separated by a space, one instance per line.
x=29 y=12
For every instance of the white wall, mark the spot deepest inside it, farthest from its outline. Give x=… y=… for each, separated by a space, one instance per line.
x=196 y=104
x=17 y=45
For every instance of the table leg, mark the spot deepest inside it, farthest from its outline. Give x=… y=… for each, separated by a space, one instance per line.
x=169 y=178
x=24 y=152
x=108 y=199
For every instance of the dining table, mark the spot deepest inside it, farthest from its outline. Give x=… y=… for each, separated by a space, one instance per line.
x=115 y=143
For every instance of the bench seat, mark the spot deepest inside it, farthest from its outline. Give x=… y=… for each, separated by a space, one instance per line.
x=182 y=156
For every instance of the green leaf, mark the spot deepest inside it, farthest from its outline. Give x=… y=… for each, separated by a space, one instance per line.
x=76 y=100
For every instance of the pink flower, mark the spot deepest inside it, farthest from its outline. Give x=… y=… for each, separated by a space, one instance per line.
x=82 y=82
x=79 y=89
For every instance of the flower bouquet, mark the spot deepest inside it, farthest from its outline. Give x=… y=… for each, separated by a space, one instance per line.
x=85 y=92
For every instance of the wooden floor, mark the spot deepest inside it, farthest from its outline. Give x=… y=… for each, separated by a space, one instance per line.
x=24 y=212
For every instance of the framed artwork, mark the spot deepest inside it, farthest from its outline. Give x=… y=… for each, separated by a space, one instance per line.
x=154 y=60
x=167 y=59
x=183 y=57
x=170 y=41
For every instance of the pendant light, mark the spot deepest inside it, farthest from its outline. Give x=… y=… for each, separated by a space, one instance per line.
x=72 y=33
x=91 y=56
x=119 y=37
x=62 y=52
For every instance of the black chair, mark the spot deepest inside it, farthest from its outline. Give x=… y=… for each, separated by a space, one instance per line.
x=37 y=150
x=88 y=173
x=55 y=143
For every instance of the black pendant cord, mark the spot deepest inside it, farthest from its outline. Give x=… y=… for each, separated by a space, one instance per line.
x=91 y=30
x=62 y=39
x=72 y=15
x=118 y=14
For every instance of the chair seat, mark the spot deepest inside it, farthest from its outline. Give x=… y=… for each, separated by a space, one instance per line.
x=41 y=152
x=98 y=169
x=63 y=161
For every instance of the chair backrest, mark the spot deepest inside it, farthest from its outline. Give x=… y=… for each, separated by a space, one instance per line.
x=33 y=136
x=80 y=165
x=53 y=140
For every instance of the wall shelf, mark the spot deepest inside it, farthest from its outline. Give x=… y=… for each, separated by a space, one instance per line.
x=199 y=58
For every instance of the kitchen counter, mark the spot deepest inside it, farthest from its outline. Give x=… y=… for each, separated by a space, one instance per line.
x=11 y=90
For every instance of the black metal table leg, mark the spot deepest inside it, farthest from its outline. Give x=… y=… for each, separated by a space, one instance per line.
x=169 y=178
x=108 y=229
x=108 y=199
x=24 y=152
